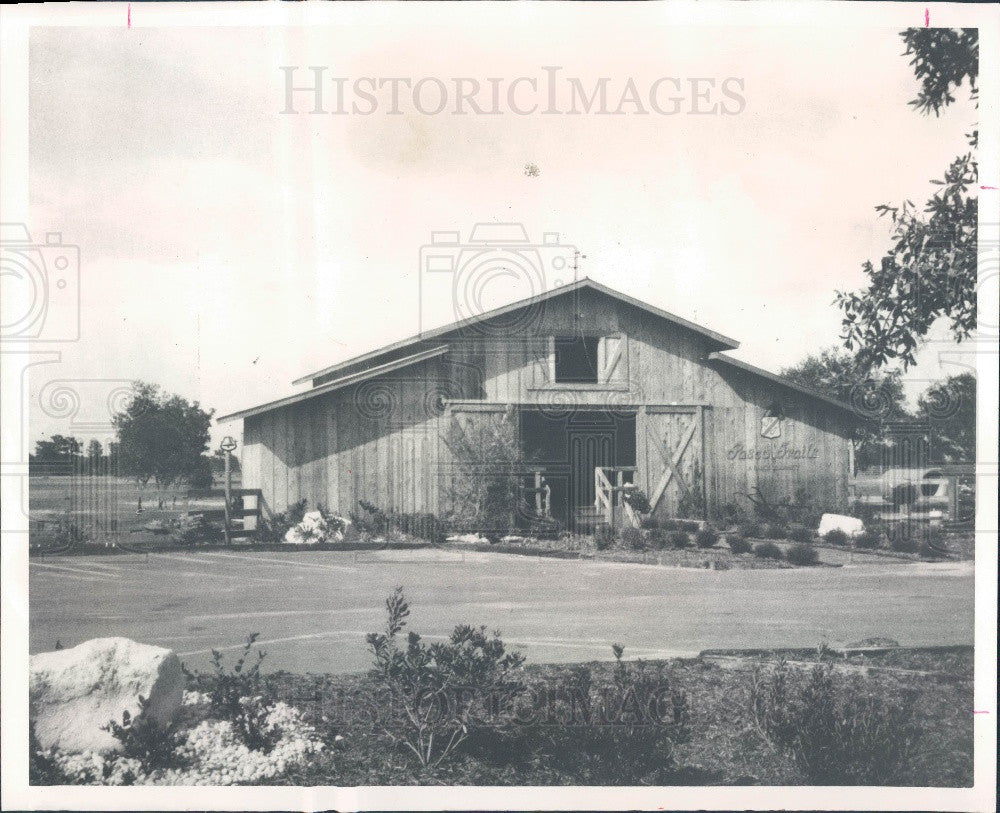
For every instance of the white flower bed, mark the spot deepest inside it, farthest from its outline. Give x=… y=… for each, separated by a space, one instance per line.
x=315 y=528
x=211 y=751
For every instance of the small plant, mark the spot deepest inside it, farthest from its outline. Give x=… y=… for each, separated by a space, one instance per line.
x=835 y=536
x=752 y=530
x=633 y=538
x=838 y=732
x=637 y=500
x=732 y=514
x=800 y=533
x=649 y=523
x=802 y=555
x=738 y=543
x=143 y=738
x=679 y=539
x=238 y=696
x=868 y=540
x=904 y=543
x=767 y=550
x=775 y=530
x=706 y=537
x=622 y=733
x=603 y=537
x=439 y=694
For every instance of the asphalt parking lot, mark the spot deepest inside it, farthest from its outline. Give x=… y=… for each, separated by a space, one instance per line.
x=312 y=608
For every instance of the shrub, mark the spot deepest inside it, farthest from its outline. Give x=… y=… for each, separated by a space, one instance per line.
x=679 y=539
x=754 y=530
x=738 y=544
x=838 y=732
x=732 y=514
x=767 y=550
x=376 y=521
x=800 y=533
x=239 y=697
x=143 y=738
x=603 y=536
x=471 y=678
x=632 y=538
x=670 y=525
x=483 y=489
x=775 y=530
x=619 y=734
x=802 y=554
x=275 y=528
x=706 y=538
x=638 y=500
x=649 y=523
x=928 y=550
x=689 y=525
x=835 y=537
x=868 y=540
x=904 y=543
x=658 y=538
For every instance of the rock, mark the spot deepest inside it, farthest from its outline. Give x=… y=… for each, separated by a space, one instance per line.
x=852 y=526
x=73 y=692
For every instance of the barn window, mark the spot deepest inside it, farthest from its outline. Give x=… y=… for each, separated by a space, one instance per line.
x=576 y=360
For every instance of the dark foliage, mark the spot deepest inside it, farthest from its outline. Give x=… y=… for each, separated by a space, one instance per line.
x=835 y=537
x=839 y=732
x=143 y=738
x=706 y=537
x=738 y=543
x=800 y=554
x=767 y=550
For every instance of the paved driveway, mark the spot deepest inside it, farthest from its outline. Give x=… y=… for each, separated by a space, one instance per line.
x=312 y=609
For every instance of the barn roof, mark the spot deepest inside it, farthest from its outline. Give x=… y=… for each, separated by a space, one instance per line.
x=723 y=341
x=785 y=382
x=337 y=383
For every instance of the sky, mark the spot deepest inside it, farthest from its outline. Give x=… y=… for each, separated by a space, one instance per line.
x=227 y=248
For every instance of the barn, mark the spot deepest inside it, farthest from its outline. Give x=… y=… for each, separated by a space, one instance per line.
x=572 y=397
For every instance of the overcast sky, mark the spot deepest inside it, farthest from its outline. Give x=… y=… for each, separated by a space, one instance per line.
x=228 y=249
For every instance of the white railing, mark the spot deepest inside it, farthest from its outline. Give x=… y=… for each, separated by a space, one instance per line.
x=608 y=497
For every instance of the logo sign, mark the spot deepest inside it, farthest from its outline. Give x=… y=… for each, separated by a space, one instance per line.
x=770 y=427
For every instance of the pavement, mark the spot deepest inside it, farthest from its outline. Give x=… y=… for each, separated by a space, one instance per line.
x=313 y=608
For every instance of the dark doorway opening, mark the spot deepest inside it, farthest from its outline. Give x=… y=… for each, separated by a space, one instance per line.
x=567 y=448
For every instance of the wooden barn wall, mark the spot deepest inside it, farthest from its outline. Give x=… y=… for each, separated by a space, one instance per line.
x=377 y=441
x=382 y=440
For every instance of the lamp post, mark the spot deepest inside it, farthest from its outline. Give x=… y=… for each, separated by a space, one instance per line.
x=227 y=446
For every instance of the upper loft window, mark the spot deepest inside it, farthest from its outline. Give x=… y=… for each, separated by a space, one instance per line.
x=576 y=360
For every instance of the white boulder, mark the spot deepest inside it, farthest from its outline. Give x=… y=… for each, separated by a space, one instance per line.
x=852 y=526
x=73 y=692
x=315 y=528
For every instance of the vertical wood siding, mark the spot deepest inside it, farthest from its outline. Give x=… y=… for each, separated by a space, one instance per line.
x=381 y=440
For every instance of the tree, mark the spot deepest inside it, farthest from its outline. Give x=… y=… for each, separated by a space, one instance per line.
x=949 y=407
x=57 y=449
x=930 y=271
x=95 y=451
x=219 y=462
x=879 y=396
x=161 y=437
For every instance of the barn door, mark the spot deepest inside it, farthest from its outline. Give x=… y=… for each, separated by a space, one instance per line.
x=675 y=461
x=588 y=449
